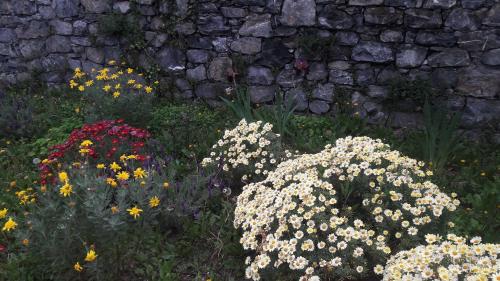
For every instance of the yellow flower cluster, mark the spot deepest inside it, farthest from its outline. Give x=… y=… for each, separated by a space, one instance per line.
x=247 y=145
x=113 y=80
x=26 y=196
x=66 y=189
x=294 y=216
x=449 y=260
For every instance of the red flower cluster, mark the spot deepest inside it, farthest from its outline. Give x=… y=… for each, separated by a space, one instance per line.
x=110 y=139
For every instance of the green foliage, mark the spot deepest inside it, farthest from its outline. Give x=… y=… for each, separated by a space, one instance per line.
x=280 y=114
x=134 y=108
x=188 y=130
x=439 y=141
x=29 y=112
x=240 y=65
x=17 y=116
x=123 y=26
x=312 y=133
x=315 y=47
x=241 y=105
x=403 y=90
x=440 y=138
x=210 y=246
x=39 y=147
x=478 y=217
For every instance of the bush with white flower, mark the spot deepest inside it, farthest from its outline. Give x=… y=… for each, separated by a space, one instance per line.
x=250 y=150
x=452 y=259
x=338 y=213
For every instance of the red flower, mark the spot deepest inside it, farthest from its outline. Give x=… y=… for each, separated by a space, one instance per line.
x=301 y=64
x=121 y=136
x=2 y=248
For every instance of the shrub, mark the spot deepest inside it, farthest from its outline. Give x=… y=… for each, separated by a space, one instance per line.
x=307 y=212
x=115 y=92
x=250 y=151
x=99 y=222
x=448 y=260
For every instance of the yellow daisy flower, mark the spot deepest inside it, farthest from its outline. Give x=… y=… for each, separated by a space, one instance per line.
x=9 y=225
x=154 y=202
x=91 y=256
x=135 y=212
x=123 y=176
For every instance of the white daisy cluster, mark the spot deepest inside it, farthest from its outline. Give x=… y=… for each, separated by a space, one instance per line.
x=449 y=260
x=249 y=147
x=306 y=213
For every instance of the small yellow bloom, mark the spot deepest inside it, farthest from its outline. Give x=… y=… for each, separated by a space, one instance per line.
x=148 y=89
x=77 y=110
x=9 y=225
x=116 y=94
x=154 y=201
x=66 y=190
x=84 y=151
x=135 y=212
x=63 y=177
x=86 y=143
x=130 y=70
x=138 y=86
x=3 y=213
x=117 y=86
x=111 y=182
x=78 y=267
x=106 y=88
x=89 y=83
x=101 y=166
x=123 y=176
x=115 y=167
x=139 y=173
x=81 y=88
x=25 y=242
x=123 y=157
x=91 y=256
x=112 y=62
x=114 y=210
x=72 y=84
x=166 y=185
x=131 y=82
x=13 y=184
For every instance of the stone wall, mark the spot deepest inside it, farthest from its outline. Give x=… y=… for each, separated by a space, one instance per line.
x=355 y=47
